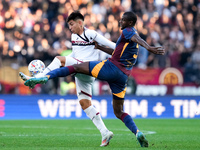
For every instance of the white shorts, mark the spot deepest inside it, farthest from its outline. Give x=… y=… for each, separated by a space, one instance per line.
x=83 y=82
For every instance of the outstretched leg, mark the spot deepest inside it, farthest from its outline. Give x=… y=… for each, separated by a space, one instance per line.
x=58 y=61
x=65 y=71
x=60 y=72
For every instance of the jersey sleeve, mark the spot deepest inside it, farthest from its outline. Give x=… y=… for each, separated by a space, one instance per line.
x=103 y=41
x=128 y=33
x=91 y=34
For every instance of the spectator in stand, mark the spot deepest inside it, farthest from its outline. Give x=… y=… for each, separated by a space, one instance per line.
x=35 y=29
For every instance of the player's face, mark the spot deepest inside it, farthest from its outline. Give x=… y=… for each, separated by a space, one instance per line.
x=124 y=22
x=75 y=26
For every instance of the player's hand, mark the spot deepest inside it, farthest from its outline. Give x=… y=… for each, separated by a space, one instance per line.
x=157 y=50
x=96 y=45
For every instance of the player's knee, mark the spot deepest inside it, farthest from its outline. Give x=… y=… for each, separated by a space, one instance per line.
x=85 y=103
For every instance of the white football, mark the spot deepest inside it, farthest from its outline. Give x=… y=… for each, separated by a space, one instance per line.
x=35 y=67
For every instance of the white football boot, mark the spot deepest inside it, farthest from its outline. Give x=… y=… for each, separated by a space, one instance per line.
x=24 y=77
x=106 y=138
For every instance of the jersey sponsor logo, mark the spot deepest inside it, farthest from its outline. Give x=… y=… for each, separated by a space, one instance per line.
x=82 y=43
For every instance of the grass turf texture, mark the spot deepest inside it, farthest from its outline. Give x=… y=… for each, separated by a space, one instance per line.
x=176 y=134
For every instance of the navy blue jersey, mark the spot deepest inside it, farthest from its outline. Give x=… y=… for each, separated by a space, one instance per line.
x=126 y=51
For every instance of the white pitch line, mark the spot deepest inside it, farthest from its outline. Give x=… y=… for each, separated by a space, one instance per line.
x=66 y=128
x=57 y=135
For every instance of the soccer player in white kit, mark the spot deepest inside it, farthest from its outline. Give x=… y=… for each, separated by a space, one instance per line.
x=83 y=49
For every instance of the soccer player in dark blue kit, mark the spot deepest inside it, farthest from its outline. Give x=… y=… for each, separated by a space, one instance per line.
x=115 y=70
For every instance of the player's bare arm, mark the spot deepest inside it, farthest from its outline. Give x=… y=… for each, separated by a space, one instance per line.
x=104 y=49
x=155 y=50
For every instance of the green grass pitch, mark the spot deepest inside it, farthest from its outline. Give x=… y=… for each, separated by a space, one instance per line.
x=162 y=134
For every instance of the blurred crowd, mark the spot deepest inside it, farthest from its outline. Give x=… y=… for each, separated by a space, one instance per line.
x=37 y=29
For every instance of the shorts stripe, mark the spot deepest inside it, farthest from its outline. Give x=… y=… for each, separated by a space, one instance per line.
x=97 y=68
x=121 y=94
x=86 y=93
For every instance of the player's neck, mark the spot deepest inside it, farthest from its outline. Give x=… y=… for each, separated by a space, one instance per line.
x=81 y=31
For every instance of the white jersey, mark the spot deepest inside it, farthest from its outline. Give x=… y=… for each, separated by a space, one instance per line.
x=83 y=45
x=83 y=50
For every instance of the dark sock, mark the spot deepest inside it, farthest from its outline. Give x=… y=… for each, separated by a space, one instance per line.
x=128 y=121
x=61 y=72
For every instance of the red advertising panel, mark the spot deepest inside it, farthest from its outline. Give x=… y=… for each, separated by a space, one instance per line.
x=146 y=76
x=155 y=76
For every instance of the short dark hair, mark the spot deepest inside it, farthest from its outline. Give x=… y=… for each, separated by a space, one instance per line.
x=131 y=16
x=75 y=15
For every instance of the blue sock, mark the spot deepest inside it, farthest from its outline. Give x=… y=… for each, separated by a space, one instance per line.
x=61 y=72
x=128 y=121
